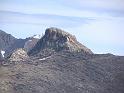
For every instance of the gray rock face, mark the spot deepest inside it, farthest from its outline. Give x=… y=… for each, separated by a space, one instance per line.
x=18 y=55
x=27 y=44
x=19 y=43
x=30 y=44
x=59 y=40
x=6 y=40
x=1 y=57
x=9 y=43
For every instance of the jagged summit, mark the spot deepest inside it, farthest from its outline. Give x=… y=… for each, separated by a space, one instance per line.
x=58 y=40
x=54 y=30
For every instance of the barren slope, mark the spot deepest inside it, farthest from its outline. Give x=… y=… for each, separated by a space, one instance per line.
x=64 y=72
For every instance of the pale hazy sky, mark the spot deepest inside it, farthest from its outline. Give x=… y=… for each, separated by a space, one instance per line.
x=98 y=24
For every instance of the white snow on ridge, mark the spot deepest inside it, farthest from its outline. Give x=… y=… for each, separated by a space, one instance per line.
x=2 y=52
x=37 y=36
x=30 y=40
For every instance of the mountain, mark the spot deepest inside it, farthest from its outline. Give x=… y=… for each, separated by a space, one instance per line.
x=6 y=40
x=58 y=40
x=9 y=43
x=19 y=43
x=58 y=63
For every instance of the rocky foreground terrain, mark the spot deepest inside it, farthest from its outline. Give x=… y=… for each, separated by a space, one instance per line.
x=58 y=63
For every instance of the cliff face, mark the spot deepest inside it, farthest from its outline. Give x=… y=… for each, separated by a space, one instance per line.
x=30 y=44
x=1 y=57
x=6 y=40
x=59 y=40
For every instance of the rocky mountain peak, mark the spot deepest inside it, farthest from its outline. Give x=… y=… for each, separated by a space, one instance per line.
x=59 y=40
x=58 y=34
x=56 y=31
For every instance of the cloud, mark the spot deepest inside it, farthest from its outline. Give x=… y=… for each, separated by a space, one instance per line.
x=111 y=7
x=39 y=19
x=21 y=22
x=89 y=8
x=101 y=4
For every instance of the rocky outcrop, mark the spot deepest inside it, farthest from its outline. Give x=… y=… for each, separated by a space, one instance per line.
x=59 y=40
x=18 y=55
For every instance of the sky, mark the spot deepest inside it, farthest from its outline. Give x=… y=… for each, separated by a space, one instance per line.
x=98 y=24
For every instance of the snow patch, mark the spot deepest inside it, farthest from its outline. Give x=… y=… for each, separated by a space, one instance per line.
x=30 y=40
x=45 y=58
x=2 y=52
x=37 y=36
